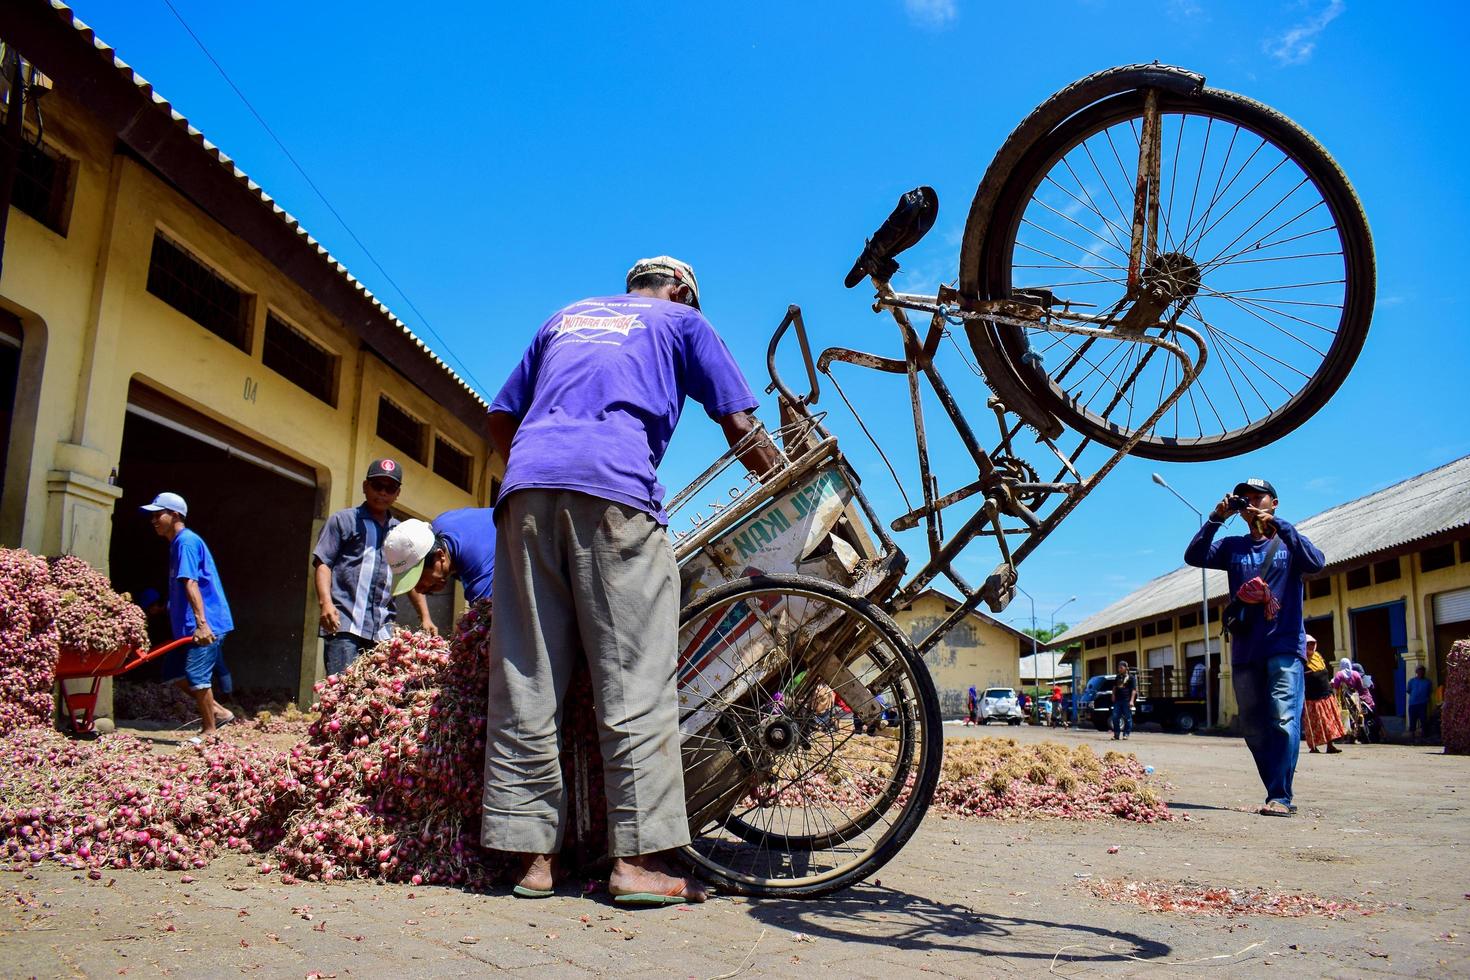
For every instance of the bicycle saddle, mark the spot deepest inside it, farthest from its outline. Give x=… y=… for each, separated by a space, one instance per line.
x=909 y=222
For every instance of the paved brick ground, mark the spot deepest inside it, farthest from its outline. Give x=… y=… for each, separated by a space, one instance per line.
x=1384 y=825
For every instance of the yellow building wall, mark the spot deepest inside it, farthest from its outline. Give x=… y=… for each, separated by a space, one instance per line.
x=975 y=653
x=91 y=329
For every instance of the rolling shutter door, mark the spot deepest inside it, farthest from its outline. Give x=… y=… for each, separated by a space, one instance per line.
x=1452 y=607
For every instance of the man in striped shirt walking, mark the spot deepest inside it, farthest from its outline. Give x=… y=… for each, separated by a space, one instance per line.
x=352 y=578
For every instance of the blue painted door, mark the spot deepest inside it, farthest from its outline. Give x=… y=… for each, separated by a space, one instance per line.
x=1398 y=633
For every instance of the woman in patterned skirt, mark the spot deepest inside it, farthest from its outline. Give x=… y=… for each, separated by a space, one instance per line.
x=1321 y=722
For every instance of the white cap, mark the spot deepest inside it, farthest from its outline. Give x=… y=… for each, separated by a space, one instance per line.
x=405 y=549
x=168 y=501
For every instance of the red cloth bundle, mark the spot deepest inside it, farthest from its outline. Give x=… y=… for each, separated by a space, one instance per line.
x=1256 y=592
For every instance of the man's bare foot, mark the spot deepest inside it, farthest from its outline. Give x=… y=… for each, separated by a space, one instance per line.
x=538 y=873
x=652 y=875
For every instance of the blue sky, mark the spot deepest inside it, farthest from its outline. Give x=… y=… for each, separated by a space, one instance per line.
x=501 y=160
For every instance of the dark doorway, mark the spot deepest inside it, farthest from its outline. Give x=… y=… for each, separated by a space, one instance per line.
x=1320 y=629
x=10 y=340
x=257 y=524
x=1377 y=645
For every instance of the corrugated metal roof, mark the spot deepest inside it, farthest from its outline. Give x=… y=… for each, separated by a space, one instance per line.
x=224 y=161
x=1417 y=508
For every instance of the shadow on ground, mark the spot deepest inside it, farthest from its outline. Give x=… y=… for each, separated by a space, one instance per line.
x=894 y=919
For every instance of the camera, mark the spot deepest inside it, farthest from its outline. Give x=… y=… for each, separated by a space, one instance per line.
x=1238 y=503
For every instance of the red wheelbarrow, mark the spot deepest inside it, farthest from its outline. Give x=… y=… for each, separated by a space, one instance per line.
x=74 y=665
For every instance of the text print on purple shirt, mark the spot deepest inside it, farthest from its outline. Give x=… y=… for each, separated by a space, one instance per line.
x=599 y=392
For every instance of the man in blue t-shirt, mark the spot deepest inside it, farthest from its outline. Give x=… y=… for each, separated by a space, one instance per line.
x=197 y=608
x=1268 y=646
x=584 y=565
x=1418 y=691
x=459 y=544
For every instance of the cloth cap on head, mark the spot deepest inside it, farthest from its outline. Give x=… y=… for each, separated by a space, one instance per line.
x=1344 y=664
x=1255 y=485
x=1310 y=638
x=1122 y=665
x=386 y=468
x=168 y=501
x=666 y=265
x=405 y=549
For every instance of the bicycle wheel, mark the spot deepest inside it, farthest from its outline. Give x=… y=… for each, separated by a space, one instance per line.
x=1261 y=241
x=784 y=798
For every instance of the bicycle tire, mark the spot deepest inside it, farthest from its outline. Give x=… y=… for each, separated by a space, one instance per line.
x=986 y=262
x=727 y=848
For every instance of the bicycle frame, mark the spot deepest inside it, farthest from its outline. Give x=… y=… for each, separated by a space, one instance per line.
x=1015 y=502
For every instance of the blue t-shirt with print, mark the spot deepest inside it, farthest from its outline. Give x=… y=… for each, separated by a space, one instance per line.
x=469 y=534
x=189 y=558
x=1242 y=558
x=599 y=392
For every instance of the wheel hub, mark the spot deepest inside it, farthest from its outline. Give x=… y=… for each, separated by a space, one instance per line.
x=780 y=735
x=1172 y=277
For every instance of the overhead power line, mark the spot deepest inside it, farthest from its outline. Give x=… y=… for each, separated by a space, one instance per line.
x=428 y=328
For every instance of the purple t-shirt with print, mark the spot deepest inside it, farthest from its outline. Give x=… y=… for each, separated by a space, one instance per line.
x=599 y=392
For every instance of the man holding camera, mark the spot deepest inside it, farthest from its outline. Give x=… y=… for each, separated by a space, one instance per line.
x=1264 y=619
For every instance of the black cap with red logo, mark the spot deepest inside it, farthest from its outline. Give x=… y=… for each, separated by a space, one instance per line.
x=385 y=468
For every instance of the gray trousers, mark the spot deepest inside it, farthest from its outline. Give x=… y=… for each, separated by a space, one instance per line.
x=577 y=574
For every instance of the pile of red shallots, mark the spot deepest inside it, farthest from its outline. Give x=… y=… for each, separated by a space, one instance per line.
x=28 y=640
x=1194 y=899
x=996 y=778
x=116 y=803
x=387 y=784
x=393 y=769
x=47 y=605
x=1455 y=715
x=90 y=617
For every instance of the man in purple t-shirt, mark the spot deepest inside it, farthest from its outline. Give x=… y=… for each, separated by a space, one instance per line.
x=583 y=564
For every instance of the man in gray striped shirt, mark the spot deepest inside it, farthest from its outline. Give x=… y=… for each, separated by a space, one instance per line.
x=352 y=579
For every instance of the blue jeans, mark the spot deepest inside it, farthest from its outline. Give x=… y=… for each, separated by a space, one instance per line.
x=340 y=650
x=1269 y=695
x=1122 y=718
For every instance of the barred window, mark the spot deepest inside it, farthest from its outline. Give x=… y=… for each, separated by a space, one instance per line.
x=42 y=181
x=1359 y=578
x=452 y=464
x=400 y=430
x=1188 y=620
x=1386 y=570
x=299 y=359
x=198 y=292
x=1164 y=625
x=1149 y=629
x=1318 y=588
x=1433 y=559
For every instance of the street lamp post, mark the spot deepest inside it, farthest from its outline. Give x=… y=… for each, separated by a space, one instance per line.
x=1051 y=631
x=1204 y=610
x=1035 y=666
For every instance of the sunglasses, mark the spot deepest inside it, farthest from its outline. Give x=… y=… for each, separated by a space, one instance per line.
x=384 y=486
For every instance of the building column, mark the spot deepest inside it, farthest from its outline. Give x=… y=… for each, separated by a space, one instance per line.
x=1227 y=708
x=79 y=500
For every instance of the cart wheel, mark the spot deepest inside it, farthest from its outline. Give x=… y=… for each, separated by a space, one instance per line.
x=784 y=801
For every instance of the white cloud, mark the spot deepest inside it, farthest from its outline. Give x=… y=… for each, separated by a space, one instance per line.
x=1295 y=47
x=932 y=13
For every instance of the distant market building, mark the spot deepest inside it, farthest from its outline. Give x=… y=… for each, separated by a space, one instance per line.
x=1395 y=595
x=164 y=325
x=980 y=652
